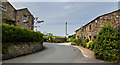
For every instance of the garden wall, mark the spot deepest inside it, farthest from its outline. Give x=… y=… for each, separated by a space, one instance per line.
x=19 y=49
x=17 y=41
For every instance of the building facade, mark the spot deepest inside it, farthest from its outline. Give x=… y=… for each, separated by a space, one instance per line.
x=8 y=13
x=90 y=30
x=24 y=19
x=21 y=18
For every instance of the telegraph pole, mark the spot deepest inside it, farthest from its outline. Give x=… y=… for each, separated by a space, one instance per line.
x=66 y=29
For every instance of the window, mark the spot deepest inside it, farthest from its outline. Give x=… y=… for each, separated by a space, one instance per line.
x=94 y=37
x=84 y=37
x=90 y=37
x=85 y=28
x=3 y=11
x=90 y=27
x=24 y=18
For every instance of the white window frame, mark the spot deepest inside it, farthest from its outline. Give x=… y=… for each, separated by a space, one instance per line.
x=24 y=18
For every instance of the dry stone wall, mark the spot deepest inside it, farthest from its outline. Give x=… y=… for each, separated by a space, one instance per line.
x=15 y=50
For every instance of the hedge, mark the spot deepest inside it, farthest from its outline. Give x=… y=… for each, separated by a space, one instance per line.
x=12 y=33
x=77 y=41
x=107 y=44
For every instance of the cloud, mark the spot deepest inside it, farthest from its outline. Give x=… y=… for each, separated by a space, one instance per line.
x=71 y=6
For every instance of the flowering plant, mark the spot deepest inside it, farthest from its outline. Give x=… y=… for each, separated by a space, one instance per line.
x=88 y=44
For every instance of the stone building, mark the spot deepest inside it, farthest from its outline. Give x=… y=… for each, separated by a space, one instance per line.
x=8 y=13
x=22 y=17
x=90 y=30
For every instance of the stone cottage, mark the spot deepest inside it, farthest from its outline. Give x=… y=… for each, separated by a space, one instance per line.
x=90 y=30
x=8 y=13
x=22 y=17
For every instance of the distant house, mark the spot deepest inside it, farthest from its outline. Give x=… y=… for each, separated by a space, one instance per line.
x=22 y=17
x=90 y=30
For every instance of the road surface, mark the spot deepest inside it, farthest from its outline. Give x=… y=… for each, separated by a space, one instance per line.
x=55 y=53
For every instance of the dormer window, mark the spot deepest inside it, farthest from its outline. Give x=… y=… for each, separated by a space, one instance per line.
x=24 y=18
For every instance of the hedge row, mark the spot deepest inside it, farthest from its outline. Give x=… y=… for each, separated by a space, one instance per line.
x=17 y=34
x=52 y=39
x=107 y=44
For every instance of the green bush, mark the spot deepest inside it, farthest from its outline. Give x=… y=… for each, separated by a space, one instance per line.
x=77 y=41
x=89 y=44
x=92 y=45
x=58 y=41
x=45 y=38
x=84 y=44
x=17 y=34
x=107 y=44
x=74 y=41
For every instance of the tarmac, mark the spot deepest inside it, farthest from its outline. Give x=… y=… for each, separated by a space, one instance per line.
x=85 y=52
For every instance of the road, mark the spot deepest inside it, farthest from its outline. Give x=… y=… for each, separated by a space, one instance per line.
x=55 y=53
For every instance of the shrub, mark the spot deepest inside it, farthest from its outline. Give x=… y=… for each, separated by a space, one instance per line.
x=45 y=38
x=17 y=34
x=58 y=41
x=77 y=41
x=84 y=44
x=87 y=40
x=88 y=44
x=107 y=44
x=92 y=45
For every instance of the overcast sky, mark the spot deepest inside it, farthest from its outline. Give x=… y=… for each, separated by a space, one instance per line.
x=55 y=14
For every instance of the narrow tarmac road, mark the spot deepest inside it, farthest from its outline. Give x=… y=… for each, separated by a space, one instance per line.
x=55 y=53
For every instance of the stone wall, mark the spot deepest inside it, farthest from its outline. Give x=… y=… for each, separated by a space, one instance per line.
x=19 y=49
x=90 y=30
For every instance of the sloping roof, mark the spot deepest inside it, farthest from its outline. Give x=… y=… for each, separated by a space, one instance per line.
x=24 y=9
x=11 y=5
x=98 y=18
x=8 y=4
